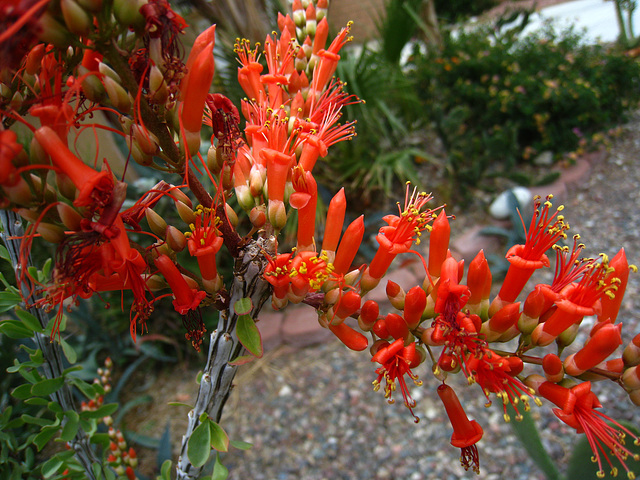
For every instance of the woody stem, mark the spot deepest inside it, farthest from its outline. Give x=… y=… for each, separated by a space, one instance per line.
x=216 y=381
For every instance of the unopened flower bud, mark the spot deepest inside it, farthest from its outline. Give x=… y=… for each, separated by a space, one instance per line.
x=16 y=100
x=78 y=21
x=138 y=155
x=91 y=5
x=395 y=294
x=52 y=31
x=117 y=95
x=19 y=193
x=69 y=216
x=107 y=71
x=232 y=216
x=146 y=140
x=277 y=214
x=181 y=196
x=186 y=213
x=92 y=87
x=156 y=222
x=175 y=238
x=631 y=378
x=213 y=164
x=158 y=90
x=155 y=282
x=127 y=12
x=258 y=216
x=631 y=354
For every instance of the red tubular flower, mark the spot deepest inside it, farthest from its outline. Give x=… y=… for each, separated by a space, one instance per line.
x=203 y=41
x=350 y=337
x=502 y=326
x=495 y=374
x=611 y=305
x=278 y=274
x=577 y=406
x=415 y=301
x=576 y=301
x=600 y=345
x=544 y=231
x=349 y=246
x=333 y=225
x=401 y=232
x=186 y=301
x=196 y=91
x=396 y=361
x=250 y=70
x=129 y=266
x=308 y=272
x=552 y=366
x=466 y=433
x=305 y=200
x=328 y=62
x=204 y=242
x=278 y=166
x=94 y=188
x=438 y=243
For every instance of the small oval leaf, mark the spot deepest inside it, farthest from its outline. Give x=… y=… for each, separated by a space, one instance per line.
x=199 y=446
x=219 y=438
x=249 y=335
x=243 y=306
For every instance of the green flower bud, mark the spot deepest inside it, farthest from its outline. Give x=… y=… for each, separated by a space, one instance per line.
x=78 y=21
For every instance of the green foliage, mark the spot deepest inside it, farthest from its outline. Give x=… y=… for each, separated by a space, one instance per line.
x=498 y=100
x=387 y=147
x=452 y=11
x=398 y=27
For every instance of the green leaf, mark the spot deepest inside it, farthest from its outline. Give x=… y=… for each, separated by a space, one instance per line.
x=71 y=427
x=15 y=329
x=68 y=351
x=242 y=360
x=165 y=470
x=243 y=306
x=42 y=422
x=219 y=438
x=241 y=445
x=220 y=472
x=8 y=300
x=249 y=335
x=29 y=321
x=199 y=446
x=103 y=411
x=527 y=433
x=46 y=434
x=581 y=467
x=4 y=253
x=37 y=401
x=51 y=466
x=47 y=386
x=22 y=392
x=180 y=404
x=87 y=389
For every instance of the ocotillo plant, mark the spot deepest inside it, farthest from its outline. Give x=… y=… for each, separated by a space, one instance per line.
x=64 y=61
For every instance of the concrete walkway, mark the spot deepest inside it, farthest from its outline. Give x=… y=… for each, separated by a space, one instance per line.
x=596 y=17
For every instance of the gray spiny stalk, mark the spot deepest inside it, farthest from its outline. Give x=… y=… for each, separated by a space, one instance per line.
x=53 y=365
x=216 y=381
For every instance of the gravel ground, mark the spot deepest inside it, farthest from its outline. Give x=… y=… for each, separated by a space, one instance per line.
x=312 y=414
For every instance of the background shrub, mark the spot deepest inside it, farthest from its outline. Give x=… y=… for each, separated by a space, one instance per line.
x=498 y=100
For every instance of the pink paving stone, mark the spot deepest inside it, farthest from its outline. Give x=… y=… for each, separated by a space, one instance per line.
x=576 y=175
x=558 y=189
x=270 y=326
x=300 y=327
x=469 y=244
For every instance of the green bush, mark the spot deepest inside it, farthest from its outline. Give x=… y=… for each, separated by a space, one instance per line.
x=452 y=11
x=497 y=101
